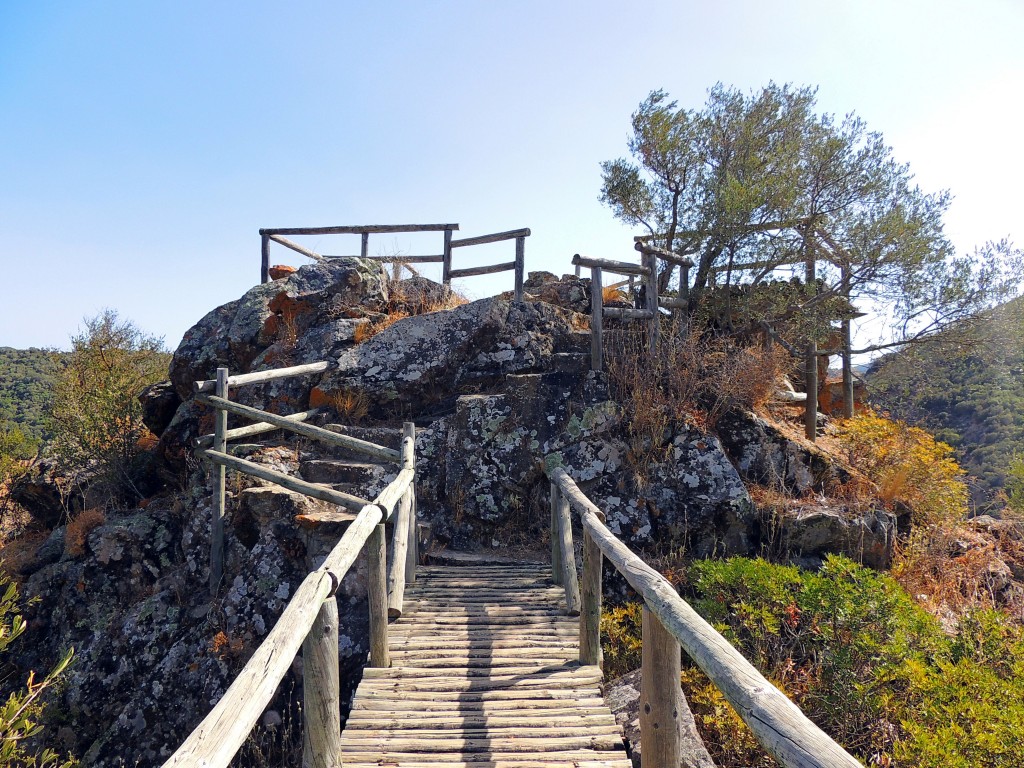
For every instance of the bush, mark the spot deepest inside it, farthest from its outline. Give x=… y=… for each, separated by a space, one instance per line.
x=855 y=653
x=907 y=465
x=97 y=419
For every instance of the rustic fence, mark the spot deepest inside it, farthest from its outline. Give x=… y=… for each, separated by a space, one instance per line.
x=310 y=620
x=647 y=271
x=400 y=262
x=669 y=624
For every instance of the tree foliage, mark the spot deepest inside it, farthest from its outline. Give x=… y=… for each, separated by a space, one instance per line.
x=752 y=184
x=96 y=418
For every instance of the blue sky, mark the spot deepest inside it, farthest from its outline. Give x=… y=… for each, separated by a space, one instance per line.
x=143 y=144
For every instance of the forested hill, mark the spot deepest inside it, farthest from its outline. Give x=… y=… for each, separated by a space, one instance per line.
x=26 y=381
x=972 y=398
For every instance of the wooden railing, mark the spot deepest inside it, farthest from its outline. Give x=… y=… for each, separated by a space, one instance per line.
x=400 y=262
x=310 y=620
x=647 y=270
x=669 y=623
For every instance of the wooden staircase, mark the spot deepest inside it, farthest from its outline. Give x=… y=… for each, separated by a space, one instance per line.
x=484 y=673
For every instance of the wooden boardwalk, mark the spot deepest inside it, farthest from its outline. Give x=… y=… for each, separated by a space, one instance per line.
x=484 y=675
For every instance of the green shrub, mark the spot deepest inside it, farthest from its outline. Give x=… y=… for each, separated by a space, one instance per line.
x=859 y=657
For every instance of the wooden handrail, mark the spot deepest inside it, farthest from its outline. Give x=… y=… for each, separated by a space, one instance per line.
x=258 y=377
x=777 y=723
x=205 y=441
x=218 y=737
x=296 y=247
x=359 y=229
x=618 y=267
x=512 y=234
x=306 y=430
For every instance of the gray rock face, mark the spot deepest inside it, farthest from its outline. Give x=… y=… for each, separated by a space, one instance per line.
x=765 y=455
x=424 y=361
x=808 y=533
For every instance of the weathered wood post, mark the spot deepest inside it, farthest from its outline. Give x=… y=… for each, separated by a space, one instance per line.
x=397 y=575
x=376 y=556
x=660 y=694
x=409 y=462
x=364 y=248
x=654 y=324
x=596 y=316
x=556 y=542
x=520 y=266
x=321 y=738
x=811 y=379
x=264 y=258
x=220 y=443
x=446 y=261
x=568 y=554
x=590 y=612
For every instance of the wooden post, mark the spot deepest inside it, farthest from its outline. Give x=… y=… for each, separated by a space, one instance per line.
x=396 y=271
x=556 y=543
x=399 y=548
x=265 y=259
x=811 y=379
x=569 y=578
x=596 y=316
x=220 y=443
x=660 y=694
x=409 y=462
x=376 y=556
x=590 y=611
x=654 y=324
x=446 y=267
x=364 y=248
x=847 y=347
x=577 y=270
x=520 y=266
x=321 y=742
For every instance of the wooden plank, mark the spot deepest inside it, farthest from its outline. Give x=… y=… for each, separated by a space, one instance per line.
x=590 y=603
x=484 y=270
x=378 y=598
x=596 y=315
x=321 y=691
x=467 y=697
x=297 y=248
x=287 y=481
x=496 y=237
x=306 y=430
x=358 y=229
x=661 y=253
x=364 y=720
x=569 y=759
x=220 y=442
x=620 y=313
x=520 y=267
x=659 y=695
x=258 y=377
x=352 y=741
x=556 y=544
x=264 y=258
x=523 y=705
x=618 y=267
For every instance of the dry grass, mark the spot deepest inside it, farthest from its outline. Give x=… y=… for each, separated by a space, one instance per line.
x=689 y=378
x=368 y=330
x=79 y=528
x=613 y=294
x=352 y=406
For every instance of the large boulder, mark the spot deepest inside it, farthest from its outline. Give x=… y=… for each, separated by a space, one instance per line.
x=420 y=364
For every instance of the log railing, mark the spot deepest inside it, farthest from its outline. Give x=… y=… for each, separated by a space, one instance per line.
x=647 y=271
x=400 y=262
x=668 y=624
x=310 y=620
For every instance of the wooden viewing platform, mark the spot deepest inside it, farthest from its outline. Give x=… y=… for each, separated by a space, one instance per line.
x=485 y=673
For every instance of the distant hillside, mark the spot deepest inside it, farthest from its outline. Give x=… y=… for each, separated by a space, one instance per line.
x=972 y=398
x=26 y=381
